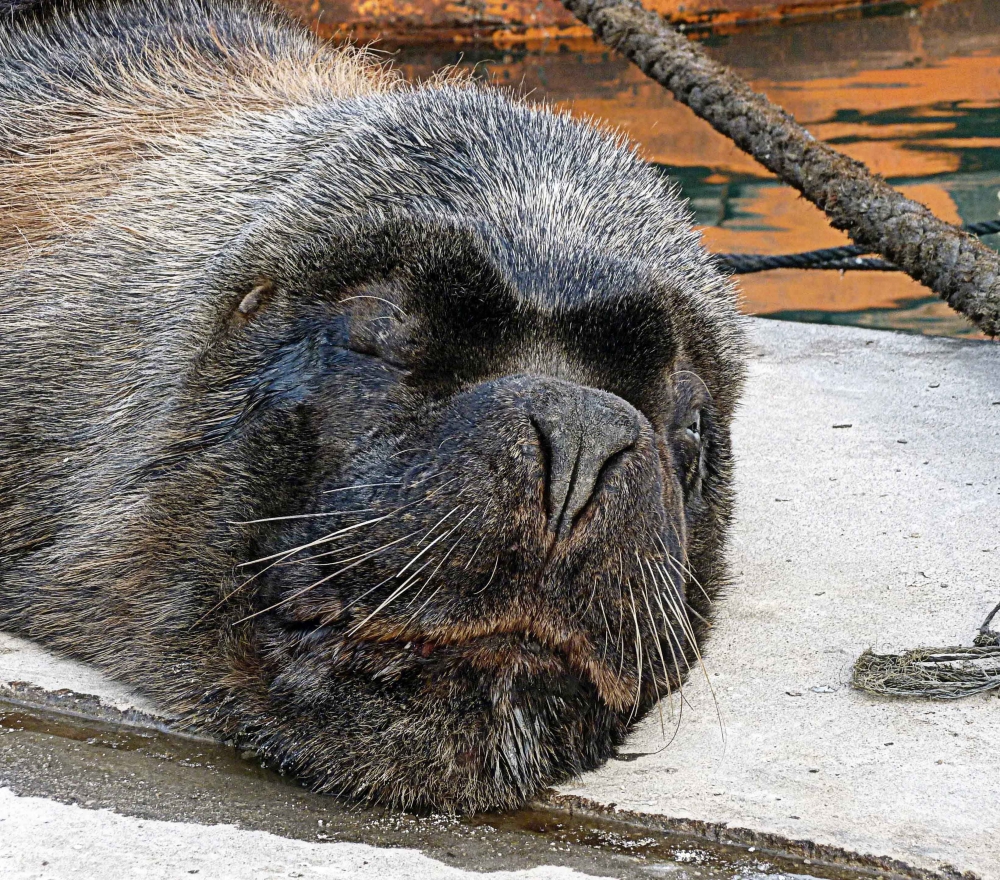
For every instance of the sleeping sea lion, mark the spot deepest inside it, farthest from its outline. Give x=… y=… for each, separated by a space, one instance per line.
x=382 y=429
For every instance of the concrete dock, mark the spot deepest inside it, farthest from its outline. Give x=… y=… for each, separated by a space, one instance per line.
x=869 y=502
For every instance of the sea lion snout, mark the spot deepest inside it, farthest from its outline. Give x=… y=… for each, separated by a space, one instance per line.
x=582 y=433
x=554 y=455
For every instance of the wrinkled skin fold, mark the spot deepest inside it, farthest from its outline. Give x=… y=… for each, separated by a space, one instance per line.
x=383 y=430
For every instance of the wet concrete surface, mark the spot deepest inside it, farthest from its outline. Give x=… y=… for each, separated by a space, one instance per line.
x=75 y=751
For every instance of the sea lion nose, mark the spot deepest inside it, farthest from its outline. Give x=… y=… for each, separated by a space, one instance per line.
x=581 y=432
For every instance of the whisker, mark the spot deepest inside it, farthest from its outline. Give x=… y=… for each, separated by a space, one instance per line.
x=590 y=601
x=692 y=373
x=678 y=610
x=685 y=622
x=688 y=572
x=402 y=588
x=621 y=616
x=474 y=552
x=663 y=664
x=281 y=557
x=432 y=543
x=681 y=606
x=493 y=575
x=638 y=653
x=656 y=629
x=267 y=519
x=341 y=560
x=299 y=593
x=380 y=299
x=671 y=638
x=430 y=577
x=360 y=486
x=607 y=627
x=405 y=586
x=427 y=601
x=445 y=558
x=328 y=537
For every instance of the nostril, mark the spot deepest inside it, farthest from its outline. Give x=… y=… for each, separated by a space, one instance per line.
x=610 y=464
x=583 y=434
x=545 y=449
x=598 y=459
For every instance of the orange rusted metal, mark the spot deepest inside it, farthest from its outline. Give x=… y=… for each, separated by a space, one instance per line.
x=528 y=22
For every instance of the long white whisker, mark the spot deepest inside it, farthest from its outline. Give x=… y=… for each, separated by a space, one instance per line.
x=638 y=653
x=493 y=575
x=360 y=486
x=685 y=622
x=326 y=538
x=430 y=577
x=298 y=593
x=405 y=586
x=252 y=522
x=432 y=543
x=663 y=665
x=474 y=552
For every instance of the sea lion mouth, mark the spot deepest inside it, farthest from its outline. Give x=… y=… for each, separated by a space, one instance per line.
x=509 y=653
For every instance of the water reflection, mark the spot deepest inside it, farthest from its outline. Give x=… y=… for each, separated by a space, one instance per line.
x=914 y=94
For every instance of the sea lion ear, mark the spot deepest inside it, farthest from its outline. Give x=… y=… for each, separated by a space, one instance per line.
x=253 y=301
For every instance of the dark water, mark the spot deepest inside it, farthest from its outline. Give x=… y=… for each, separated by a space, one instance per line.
x=914 y=93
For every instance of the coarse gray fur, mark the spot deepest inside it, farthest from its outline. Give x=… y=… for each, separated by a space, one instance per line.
x=262 y=301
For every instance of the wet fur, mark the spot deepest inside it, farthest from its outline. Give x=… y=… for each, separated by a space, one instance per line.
x=242 y=272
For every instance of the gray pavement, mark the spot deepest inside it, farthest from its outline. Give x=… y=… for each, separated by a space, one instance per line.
x=880 y=534
x=42 y=839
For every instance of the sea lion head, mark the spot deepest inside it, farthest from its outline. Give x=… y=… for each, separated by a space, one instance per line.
x=463 y=440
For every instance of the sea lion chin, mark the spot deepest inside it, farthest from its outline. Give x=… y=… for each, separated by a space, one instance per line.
x=383 y=430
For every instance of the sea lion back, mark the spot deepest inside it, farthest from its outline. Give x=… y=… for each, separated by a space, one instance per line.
x=91 y=88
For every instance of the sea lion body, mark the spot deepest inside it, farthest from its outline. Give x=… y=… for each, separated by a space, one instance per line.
x=381 y=429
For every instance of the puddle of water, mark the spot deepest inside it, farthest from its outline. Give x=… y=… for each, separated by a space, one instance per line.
x=914 y=93
x=154 y=774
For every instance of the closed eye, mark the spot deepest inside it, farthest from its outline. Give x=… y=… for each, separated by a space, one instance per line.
x=693 y=426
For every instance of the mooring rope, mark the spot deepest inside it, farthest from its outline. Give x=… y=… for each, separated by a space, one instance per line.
x=847 y=258
x=954 y=264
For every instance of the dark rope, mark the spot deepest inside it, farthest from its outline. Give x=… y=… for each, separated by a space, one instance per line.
x=958 y=267
x=830 y=258
x=847 y=258
x=987 y=637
